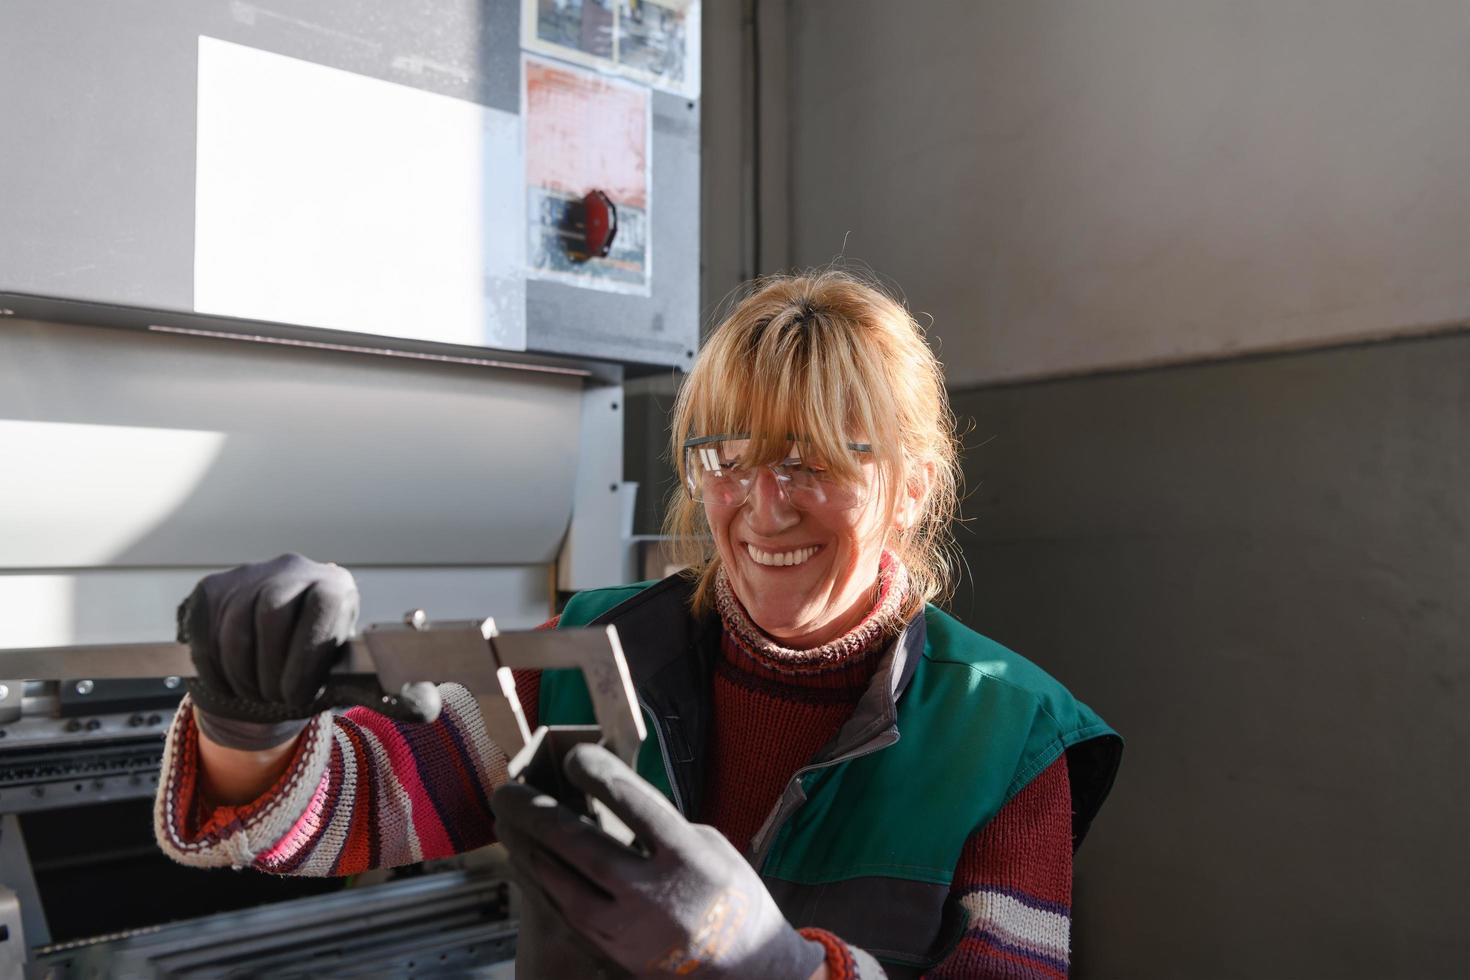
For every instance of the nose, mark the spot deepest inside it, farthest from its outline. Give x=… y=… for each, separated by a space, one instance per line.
x=768 y=510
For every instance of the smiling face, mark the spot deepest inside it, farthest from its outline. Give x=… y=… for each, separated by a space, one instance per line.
x=831 y=365
x=806 y=571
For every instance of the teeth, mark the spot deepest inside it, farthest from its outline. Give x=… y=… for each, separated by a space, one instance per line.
x=781 y=558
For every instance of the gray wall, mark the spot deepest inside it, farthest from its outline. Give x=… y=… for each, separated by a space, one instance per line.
x=745 y=183
x=1259 y=572
x=1066 y=184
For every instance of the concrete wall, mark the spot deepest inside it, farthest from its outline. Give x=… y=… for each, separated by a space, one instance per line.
x=1259 y=571
x=1067 y=185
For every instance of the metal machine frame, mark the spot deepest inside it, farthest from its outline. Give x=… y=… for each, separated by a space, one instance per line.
x=468 y=652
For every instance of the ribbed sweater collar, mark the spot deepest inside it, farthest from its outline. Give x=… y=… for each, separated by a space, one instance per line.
x=881 y=623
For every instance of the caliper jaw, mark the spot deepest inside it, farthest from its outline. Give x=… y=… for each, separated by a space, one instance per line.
x=474 y=653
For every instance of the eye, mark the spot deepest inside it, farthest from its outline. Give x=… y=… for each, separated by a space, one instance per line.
x=808 y=468
x=809 y=465
x=732 y=454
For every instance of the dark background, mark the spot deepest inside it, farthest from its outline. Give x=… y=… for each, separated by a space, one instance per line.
x=1259 y=572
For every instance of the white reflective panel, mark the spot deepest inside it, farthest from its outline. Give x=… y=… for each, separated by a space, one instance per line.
x=330 y=199
x=36 y=610
x=344 y=458
x=100 y=487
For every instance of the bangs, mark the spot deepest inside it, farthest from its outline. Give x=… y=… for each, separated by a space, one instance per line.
x=823 y=359
x=780 y=381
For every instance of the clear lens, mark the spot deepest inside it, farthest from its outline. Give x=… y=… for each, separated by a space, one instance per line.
x=716 y=472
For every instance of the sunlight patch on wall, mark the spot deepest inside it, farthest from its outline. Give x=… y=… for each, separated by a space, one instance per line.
x=76 y=494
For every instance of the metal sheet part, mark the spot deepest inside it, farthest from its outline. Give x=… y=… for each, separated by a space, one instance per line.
x=598 y=653
x=459 y=652
x=471 y=653
x=12 y=936
x=19 y=887
x=125 y=660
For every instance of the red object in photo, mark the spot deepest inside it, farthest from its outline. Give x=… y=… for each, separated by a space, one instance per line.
x=600 y=223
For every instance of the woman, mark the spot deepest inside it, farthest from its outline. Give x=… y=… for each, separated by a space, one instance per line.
x=871 y=780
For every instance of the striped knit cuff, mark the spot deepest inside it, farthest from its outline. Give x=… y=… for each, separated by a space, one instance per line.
x=232 y=836
x=844 y=962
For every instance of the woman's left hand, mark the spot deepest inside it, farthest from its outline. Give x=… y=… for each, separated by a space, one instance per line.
x=686 y=901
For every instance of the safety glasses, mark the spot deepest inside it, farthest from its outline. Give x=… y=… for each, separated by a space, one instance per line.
x=716 y=472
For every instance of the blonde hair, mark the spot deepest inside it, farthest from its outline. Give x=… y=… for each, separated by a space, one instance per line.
x=830 y=357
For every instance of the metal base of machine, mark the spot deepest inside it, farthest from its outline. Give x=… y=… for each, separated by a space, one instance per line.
x=450 y=923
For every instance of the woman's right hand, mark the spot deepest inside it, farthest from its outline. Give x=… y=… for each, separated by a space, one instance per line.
x=263 y=638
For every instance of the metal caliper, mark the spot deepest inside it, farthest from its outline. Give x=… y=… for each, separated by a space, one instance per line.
x=468 y=652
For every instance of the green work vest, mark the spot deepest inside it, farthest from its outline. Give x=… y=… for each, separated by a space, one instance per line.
x=865 y=840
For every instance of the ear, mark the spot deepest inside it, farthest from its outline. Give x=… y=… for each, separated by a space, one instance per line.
x=910 y=503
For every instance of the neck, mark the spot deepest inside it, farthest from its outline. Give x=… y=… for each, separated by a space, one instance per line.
x=871 y=623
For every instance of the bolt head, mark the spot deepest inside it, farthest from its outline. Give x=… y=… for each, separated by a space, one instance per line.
x=85 y=687
x=171 y=682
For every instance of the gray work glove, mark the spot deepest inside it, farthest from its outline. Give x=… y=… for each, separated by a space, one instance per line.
x=685 y=903
x=264 y=637
x=547 y=948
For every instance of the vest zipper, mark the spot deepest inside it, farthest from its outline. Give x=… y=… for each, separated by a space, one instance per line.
x=663 y=750
x=794 y=795
x=789 y=802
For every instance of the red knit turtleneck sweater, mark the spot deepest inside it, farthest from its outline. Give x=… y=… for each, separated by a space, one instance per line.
x=774 y=708
x=766 y=726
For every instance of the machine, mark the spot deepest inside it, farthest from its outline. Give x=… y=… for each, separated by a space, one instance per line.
x=96 y=732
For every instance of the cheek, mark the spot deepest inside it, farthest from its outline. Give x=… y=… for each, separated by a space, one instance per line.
x=718 y=520
x=866 y=535
x=858 y=548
